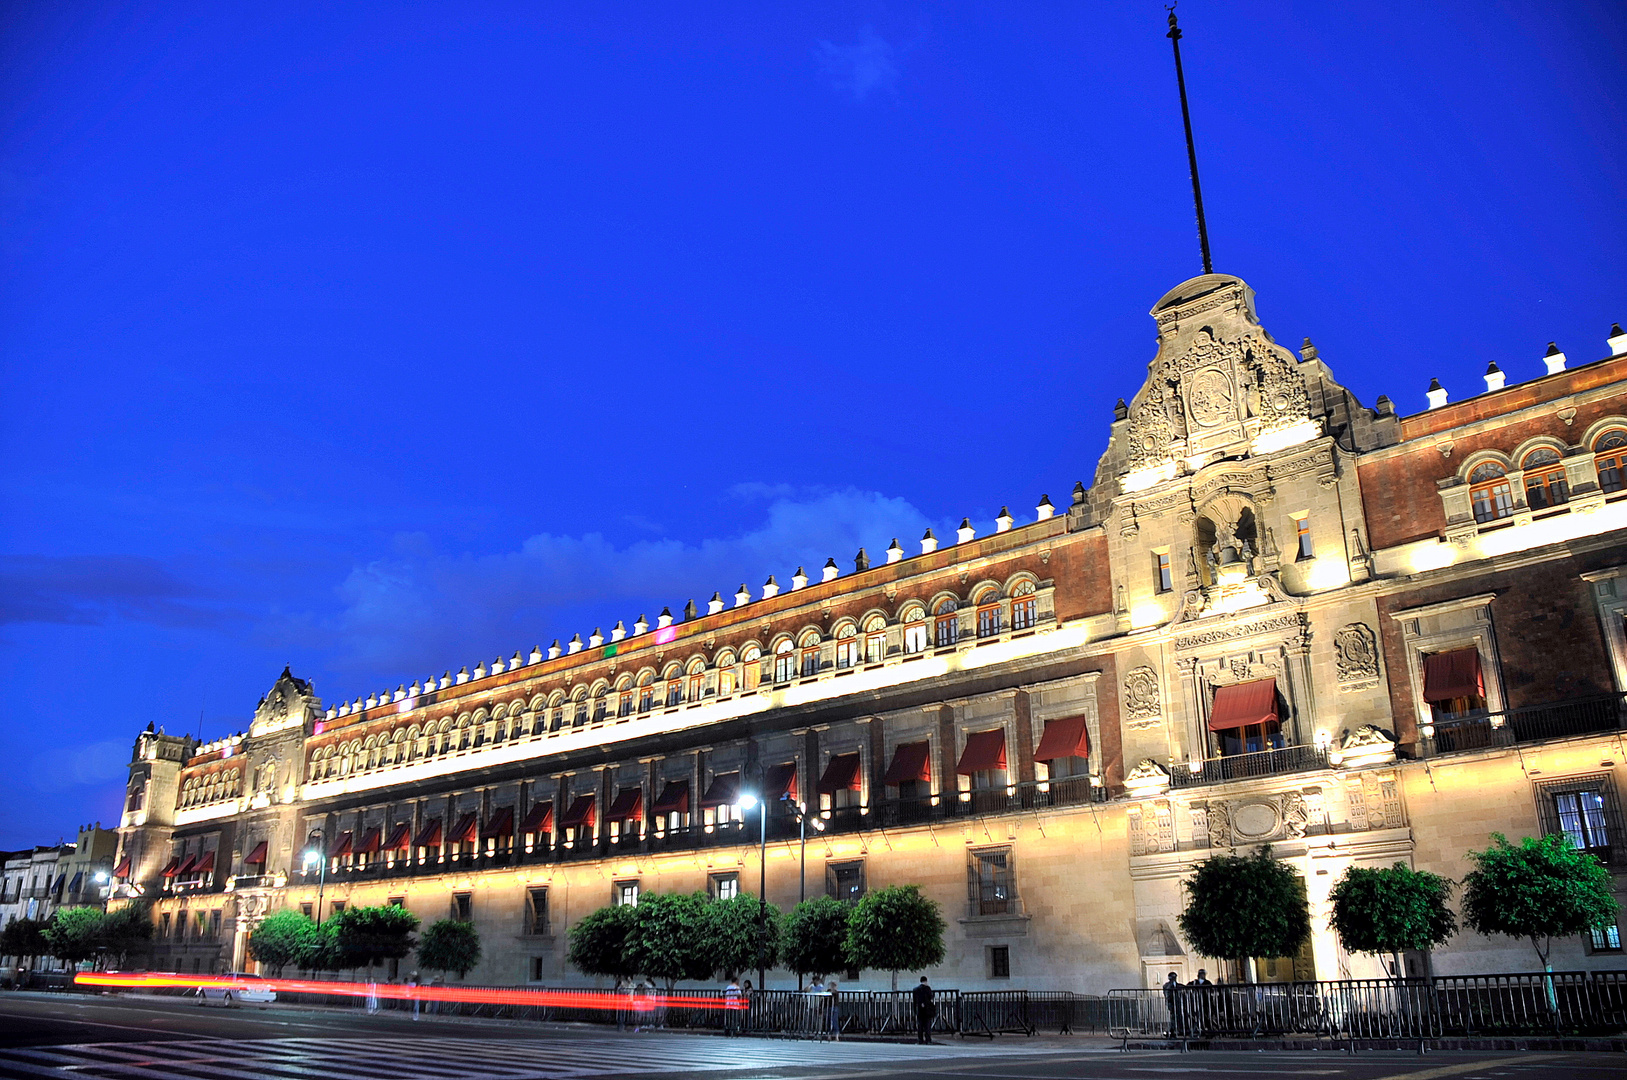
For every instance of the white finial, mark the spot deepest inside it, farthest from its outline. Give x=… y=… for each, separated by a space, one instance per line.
x=715 y=604
x=742 y=595
x=663 y=620
x=446 y=679
x=595 y=639
x=894 y=552
x=965 y=534
x=332 y=712
x=480 y=671
x=640 y=625
x=1494 y=377
x=830 y=571
x=1436 y=394
x=372 y=700
x=515 y=662
x=462 y=675
x=574 y=645
x=1044 y=510
x=400 y=693
x=770 y=587
x=554 y=650
x=1004 y=522
x=412 y=691
x=497 y=667
x=799 y=580
x=1554 y=359
x=1617 y=341
x=929 y=543
x=618 y=631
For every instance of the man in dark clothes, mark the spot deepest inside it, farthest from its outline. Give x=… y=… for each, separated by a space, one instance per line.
x=926 y=1010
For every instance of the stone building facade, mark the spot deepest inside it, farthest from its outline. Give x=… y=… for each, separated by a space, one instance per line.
x=1276 y=616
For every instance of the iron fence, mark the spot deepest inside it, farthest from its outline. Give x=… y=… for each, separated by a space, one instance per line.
x=1529 y=723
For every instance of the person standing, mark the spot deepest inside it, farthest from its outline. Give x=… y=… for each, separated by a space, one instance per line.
x=731 y=1007
x=835 y=1011
x=926 y=1011
x=412 y=985
x=1172 y=990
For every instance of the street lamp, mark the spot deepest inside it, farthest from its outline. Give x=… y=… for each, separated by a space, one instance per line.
x=802 y=824
x=314 y=855
x=746 y=801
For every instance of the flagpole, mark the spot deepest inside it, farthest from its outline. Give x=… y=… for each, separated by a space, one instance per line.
x=1174 y=36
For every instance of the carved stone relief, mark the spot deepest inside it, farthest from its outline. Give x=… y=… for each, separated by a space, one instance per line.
x=1260 y=819
x=1142 y=705
x=1355 y=651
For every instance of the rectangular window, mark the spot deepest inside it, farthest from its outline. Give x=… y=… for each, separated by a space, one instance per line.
x=398 y=901
x=335 y=908
x=304 y=909
x=1163 y=578
x=1023 y=611
x=536 y=913
x=1582 y=818
x=462 y=906
x=646 y=698
x=624 y=894
x=1606 y=940
x=875 y=647
x=163 y=921
x=999 y=961
x=948 y=630
x=847 y=652
x=725 y=682
x=844 y=881
x=915 y=638
x=724 y=886
x=536 y=969
x=675 y=693
x=810 y=663
x=1302 y=530
x=214 y=924
x=697 y=687
x=784 y=666
x=990 y=881
x=988 y=621
x=624 y=705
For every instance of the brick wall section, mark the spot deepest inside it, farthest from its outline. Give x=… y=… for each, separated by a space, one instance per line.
x=1513 y=398
x=1083 y=575
x=1547 y=630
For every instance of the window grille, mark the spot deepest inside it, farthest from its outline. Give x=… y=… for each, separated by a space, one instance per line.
x=462 y=906
x=1584 y=809
x=536 y=914
x=990 y=881
x=844 y=881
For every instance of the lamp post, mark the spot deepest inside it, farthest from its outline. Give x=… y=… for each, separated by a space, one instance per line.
x=747 y=801
x=802 y=825
x=319 y=857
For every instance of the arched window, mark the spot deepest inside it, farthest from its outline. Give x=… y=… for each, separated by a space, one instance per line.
x=646 y=692
x=1490 y=493
x=1610 y=450
x=675 y=686
x=1024 y=610
x=727 y=677
x=915 y=634
x=810 y=654
x=947 y=623
x=624 y=700
x=751 y=667
x=1545 y=483
x=580 y=716
x=697 y=679
x=601 y=704
x=875 y=639
x=848 y=647
x=785 y=661
x=989 y=621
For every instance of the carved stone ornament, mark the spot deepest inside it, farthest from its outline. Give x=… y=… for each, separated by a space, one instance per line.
x=1355 y=651
x=1147 y=774
x=1142 y=706
x=1367 y=735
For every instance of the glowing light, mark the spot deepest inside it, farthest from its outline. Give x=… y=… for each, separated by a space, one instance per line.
x=665 y=634
x=406 y=705
x=746 y=801
x=1328 y=574
x=1141 y=479
x=1146 y=613
x=1269 y=442
x=1432 y=557
x=312 y=858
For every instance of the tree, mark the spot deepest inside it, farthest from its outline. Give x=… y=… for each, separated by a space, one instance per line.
x=813 y=940
x=1241 y=907
x=449 y=945
x=283 y=938
x=24 y=939
x=1392 y=910
x=895 y=929
x=667 y=942
x=740 y=934
x=598 y=943
x=126 y=930
x=1543 y=889
x=366 y=935
x=75 y=934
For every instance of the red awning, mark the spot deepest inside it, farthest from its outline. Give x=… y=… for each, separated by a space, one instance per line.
x=1246 y=703
x=430 y=834
x=171 y=868
x=580 y=815
x=257 y=856
x=400 y=837
x=674 y=799
x=1454 y=674
x=370 y=842
x=984 y=750
x=539 y=820
x=343 y=847
x=186 y=865
x=500 y=824
x=629 y=805
x=123 y=869
x=1063 y=738
x=205 y=864
x=841 y=774
x=911 y=761
x=781 y=782
x=723 y=791
x=464 y=831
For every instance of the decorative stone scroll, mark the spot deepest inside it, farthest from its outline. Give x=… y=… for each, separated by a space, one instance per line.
x=1356 y=654
x=1142 y=705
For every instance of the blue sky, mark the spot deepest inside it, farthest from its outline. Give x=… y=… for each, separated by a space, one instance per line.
x=381 y=340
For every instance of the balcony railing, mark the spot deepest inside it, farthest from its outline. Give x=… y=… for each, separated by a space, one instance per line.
x=1530 y=723
x=1219 y=770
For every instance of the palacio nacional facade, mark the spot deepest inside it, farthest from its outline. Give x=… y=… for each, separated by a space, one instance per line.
x=1276 y=616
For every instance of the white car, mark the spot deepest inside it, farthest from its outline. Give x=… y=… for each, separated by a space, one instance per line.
x=245 y=990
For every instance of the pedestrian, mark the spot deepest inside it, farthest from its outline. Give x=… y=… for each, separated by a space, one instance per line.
x=835 y=1011
x=1172 y=990
x=435 y=985
x=412 y=987
x=926 y=1011
x=731 y=1007
x=372 y=996
x=1198 y=1004
x=640 y=1004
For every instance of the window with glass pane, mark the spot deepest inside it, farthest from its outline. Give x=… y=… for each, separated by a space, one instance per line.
x=1606 y=940
x=536 y=916
x=948 y=624
x=624 y=894
x=581 y=713
x=1302 y=530
x=992 y=888
x=675 y=693
x=1611 y=459
x=751 y=668
x=725 y=681
x=725 y=886
x=1490 y=492
x=1163 y=579
x=847 y=648
x=646 y=697
x=844 y=881
x=624 y=707
x=1023 y=606
x=988 y=621
x=810 y=663
x=875 y=639
x=697 y=687
x=1582 y=818
x=599 y=706
x=785 y=662
x=915 y=640
x=1545 y=483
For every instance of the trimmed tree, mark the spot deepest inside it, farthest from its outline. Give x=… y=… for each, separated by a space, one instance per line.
x=813 y=939
x=1543 y=889
x=449 y=945
x=127 y=930
x=598 y=943
x=667 y=942
x=283 y=938
x=24 y=939
x=895 y=929
x=739 y=934
x=75 y=934
x=366 y=935
x=1241 y=907
x=1392 y=910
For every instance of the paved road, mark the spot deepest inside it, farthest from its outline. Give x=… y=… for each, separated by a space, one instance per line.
x=170 y=1039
